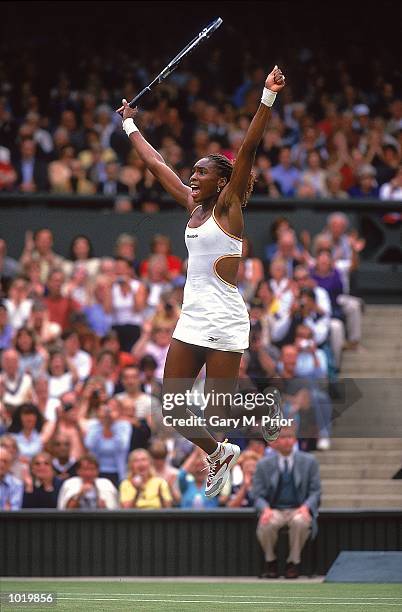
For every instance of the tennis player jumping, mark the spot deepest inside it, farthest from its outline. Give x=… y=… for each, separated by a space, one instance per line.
x=213 y=328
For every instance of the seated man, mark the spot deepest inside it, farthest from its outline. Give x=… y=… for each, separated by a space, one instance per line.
x=286 y=491
x=87 y=490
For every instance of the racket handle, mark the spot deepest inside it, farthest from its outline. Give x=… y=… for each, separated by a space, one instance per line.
x=134 y=101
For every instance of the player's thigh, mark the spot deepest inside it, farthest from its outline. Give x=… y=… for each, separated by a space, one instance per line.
x=183 y=364
x=183 y=360
x=222 y=371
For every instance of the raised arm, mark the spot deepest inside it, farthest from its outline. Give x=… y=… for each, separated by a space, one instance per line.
x=154 y=161
x=236 y=189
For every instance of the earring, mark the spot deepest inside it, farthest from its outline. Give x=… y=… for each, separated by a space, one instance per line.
x=218 y=190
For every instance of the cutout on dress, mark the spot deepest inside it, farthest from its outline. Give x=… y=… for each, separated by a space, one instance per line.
x=226 y=271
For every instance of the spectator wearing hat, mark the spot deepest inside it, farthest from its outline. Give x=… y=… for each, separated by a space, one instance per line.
x=367 y=185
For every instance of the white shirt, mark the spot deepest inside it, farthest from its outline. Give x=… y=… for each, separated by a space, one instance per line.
x=388 y=192
x=18 y=314
x=142 y=404
x=290 y=459
x=82 y=363
x=159 y=353
x=60 y=384
x=50 y=409
x=123 y=305
x=72 y=486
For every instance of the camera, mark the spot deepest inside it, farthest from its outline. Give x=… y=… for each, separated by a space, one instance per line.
x=67 y=406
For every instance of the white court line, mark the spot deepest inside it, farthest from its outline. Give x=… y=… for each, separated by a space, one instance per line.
x=214 y=601
x=235 y=596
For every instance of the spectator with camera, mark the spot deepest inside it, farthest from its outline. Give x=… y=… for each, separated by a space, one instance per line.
x=108 y=438
x=87 y=490
x=69 y=424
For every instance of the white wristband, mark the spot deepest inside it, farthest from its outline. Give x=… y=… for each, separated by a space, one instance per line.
x=268 y=97
x=129 y=126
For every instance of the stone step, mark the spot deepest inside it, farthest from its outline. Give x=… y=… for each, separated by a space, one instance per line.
x=362 y=501
x=383 y=372
x=345 y=472
x=362 y=487
x=379 y=309
x=354 y=444
x=370 y=457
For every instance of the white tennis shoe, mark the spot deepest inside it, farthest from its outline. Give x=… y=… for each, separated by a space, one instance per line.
x=220 y=466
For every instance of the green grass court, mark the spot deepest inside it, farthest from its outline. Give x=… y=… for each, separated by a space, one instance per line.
x=104 y=595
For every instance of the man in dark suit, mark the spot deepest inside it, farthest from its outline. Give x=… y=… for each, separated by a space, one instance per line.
x=286 y=491
x=31 y=171
x=112 y=186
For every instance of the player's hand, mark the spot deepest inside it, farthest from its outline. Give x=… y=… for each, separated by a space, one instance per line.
x=275 y=80
x=126 y=111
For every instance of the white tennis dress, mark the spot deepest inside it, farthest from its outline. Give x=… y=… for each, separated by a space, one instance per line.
x=213 y=314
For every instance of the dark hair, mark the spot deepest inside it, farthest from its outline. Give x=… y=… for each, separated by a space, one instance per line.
x=225 y=168
x=52 y=355
x=89 y=458
x=275 y=224
x=16 y=423
x=71 y=256
x=68 y=333
x=30 y=333
x=308 y=292
x=105 y=352
x=111 y=335
x=148 y=362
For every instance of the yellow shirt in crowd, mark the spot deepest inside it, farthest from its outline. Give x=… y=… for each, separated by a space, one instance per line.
x=150 y=495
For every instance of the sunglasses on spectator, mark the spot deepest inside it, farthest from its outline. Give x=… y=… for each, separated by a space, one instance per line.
x=41 y=463
x=62 y=443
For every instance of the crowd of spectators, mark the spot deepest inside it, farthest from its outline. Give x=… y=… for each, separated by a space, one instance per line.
x=334 y=140
x=83 y=339
x=83 y=342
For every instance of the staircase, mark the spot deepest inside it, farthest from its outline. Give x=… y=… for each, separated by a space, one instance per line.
x=357 y=472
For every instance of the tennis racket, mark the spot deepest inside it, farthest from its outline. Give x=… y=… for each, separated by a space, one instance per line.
x=173 y=64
